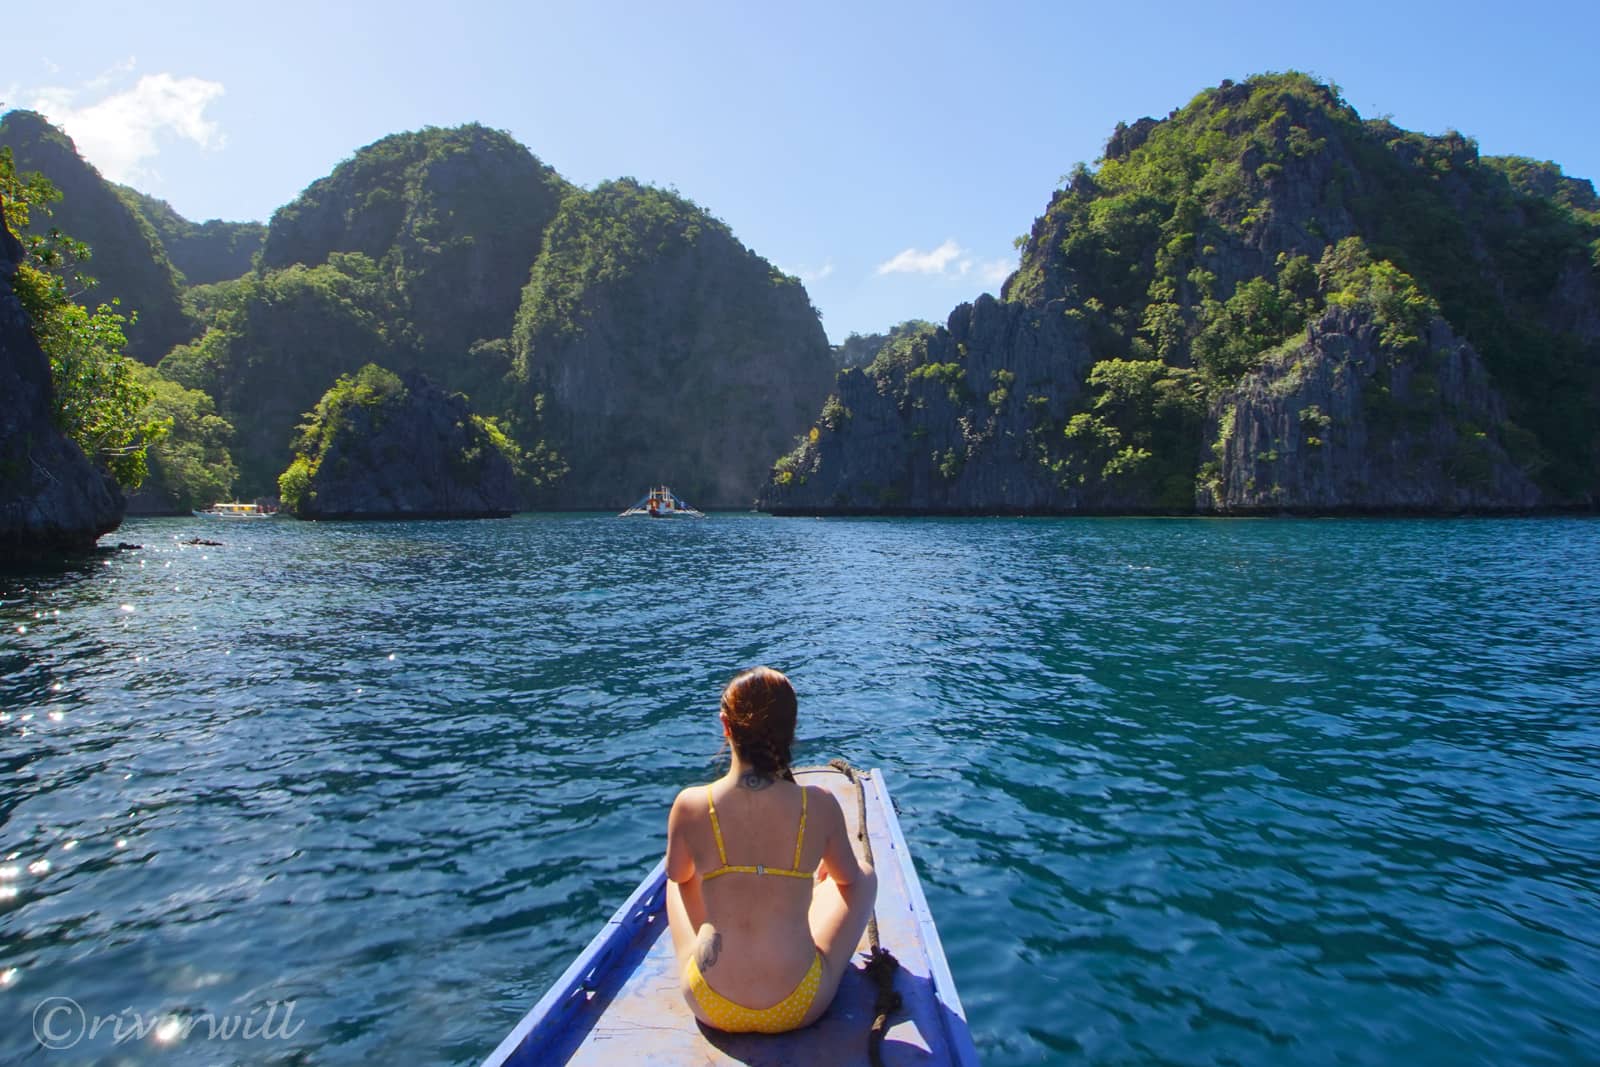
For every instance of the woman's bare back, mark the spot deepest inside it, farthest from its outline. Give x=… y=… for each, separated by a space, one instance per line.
x=755 y=931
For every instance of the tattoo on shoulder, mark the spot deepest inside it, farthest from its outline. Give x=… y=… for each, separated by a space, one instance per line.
x=709 y=950
x=755 y=781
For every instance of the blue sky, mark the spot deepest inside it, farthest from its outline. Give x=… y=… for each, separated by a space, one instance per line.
x=887 y=153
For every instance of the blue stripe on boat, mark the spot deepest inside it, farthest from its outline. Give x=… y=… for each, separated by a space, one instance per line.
x=619 y=1001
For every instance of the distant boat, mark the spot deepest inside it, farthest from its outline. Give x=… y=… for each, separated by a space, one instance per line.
x=234 y=511
x=659 y=503
x=621 y=1001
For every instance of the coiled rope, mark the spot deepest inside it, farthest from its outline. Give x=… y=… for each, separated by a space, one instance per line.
x=881 y=964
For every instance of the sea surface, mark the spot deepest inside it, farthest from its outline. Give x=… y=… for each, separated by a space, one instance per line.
x=1179 y=791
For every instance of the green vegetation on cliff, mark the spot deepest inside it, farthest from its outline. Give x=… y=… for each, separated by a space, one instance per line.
x=607 y=237
x=615 y=329
x=190 y=465
x=377 y=445
x=1192 y=240
x=1264 y=234
x=452 y=218
x=202 y=252
x=859 y=350
x=130 y=264
x=412 y=254
x=273 y=343
x=100 y=402
x=652 y=346
x=370 y=387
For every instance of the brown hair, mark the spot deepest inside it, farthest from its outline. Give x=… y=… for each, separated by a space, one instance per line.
x=761 y=707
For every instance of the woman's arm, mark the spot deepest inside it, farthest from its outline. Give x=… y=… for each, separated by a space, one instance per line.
x=838 y=855
x=680 y=860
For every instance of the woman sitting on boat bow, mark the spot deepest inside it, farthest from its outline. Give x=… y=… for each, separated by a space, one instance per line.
x=779 y=926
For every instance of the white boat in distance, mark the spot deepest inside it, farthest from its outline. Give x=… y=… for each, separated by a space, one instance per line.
x=659 y=503
x=234 y=511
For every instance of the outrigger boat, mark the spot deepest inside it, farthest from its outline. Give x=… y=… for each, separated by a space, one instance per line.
x=234 y=511
x=659 y=503
x=620 y=1002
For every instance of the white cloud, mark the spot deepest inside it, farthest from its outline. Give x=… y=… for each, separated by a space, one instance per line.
x=808 y=276
x=949 y=260
x=912 y=261
x=120 y=131
x=996 y=271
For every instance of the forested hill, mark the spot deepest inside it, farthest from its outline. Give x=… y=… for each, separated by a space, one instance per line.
x=202 y=252
x=411 y=254
x=454 y=218
x=610 y=331
x=1262 y=302
x=129 y=263
x=654 y=347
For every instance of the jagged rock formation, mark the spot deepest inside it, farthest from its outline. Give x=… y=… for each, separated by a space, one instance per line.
x=128 y=261
x=383 y=447
x=1257 y=271
x=942 y=418
x=203 y=252
x=1342 y=424
x=52 y=500
x=654 y=347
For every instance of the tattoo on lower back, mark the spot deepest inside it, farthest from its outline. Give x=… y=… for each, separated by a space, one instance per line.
x=710 y=949
x=755 y=780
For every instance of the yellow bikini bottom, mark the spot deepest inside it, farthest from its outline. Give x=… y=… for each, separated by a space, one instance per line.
x=724 y=1014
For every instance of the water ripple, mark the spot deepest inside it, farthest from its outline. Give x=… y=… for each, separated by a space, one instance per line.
x=1179 y=791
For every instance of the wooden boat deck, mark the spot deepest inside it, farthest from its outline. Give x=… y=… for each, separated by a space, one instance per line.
x=619 y=1002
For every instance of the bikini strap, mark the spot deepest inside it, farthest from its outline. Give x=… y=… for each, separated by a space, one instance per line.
x=716 y=829
x=800 y=838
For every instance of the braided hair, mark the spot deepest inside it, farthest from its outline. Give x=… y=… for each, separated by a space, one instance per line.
x=761 y=708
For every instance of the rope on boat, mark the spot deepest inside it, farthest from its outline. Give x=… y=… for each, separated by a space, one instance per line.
x=881 y=964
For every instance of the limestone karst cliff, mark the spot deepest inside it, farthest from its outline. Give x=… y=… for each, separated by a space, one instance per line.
x=1261 y=302
x=380 y=447
x=622 y=325
x=1343 y=423
x=652 y=346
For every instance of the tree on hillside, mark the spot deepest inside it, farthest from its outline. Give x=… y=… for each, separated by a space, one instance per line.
x=99 y=402
x=191 y=466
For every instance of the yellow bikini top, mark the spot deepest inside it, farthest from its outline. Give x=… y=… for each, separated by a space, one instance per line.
x=722 y=854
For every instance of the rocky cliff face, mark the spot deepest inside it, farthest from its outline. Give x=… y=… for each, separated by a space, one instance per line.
x=52 y=500
x=128 y=261
x=946 y=422
x=1262 y=252
x=415 y=453
x=1342 y=423
x=654 y=347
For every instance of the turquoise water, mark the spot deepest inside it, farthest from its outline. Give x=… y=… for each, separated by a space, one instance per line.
x=1179 y=791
